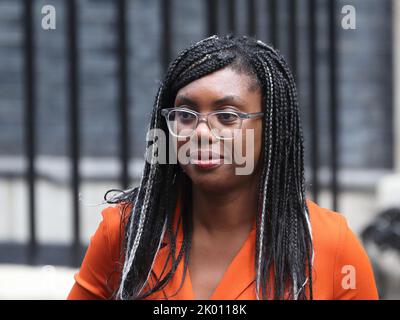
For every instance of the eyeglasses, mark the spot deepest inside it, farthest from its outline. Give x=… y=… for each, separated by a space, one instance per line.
x=182 y=122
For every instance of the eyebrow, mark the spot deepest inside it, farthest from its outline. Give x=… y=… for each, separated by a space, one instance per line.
x=226 y=99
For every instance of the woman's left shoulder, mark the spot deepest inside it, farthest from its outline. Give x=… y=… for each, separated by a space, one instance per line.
x=338 y=247
x=327 y=226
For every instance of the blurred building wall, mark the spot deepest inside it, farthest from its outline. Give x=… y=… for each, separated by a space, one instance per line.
x=365 y=91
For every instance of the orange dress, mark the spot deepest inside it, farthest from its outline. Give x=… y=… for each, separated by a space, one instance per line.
x=341 y=268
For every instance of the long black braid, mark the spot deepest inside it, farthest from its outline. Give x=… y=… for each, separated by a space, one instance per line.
x=283 y=231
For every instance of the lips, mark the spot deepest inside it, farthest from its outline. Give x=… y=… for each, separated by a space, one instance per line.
x=204 y=155
x=205 y=158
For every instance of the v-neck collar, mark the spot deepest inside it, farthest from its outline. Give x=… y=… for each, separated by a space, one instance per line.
x=238 y=276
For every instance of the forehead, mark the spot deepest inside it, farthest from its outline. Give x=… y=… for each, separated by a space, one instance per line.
x=223 y=82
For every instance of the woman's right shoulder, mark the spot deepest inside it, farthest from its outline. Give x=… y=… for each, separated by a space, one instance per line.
x=114 y=214
x=98 y=275
x=115 y=218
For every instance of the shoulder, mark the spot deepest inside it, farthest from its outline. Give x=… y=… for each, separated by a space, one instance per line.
x=324 y=216
x=340 y=251
x=115 y=217
x=98 y=275
x=328 y=226
x=331 y=233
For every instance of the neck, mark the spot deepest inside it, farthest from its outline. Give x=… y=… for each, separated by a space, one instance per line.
x=230 y=211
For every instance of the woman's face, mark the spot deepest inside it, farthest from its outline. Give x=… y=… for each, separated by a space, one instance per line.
x=225 y=89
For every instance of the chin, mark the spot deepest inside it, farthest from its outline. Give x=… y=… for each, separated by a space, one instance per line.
x=211 y=180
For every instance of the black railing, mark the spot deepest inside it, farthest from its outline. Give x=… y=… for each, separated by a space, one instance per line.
x=312 y=30
x=74 y=121
x=212 y=23
x=123 y=93
x=333 y=105
x=30 y=133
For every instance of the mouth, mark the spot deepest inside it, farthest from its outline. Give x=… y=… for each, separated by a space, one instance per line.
x=205 y=159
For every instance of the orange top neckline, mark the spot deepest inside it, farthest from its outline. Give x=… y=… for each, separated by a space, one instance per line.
x=243 y=256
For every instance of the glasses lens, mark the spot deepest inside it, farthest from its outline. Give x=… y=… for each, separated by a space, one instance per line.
x=224 y=124
x=182 y=123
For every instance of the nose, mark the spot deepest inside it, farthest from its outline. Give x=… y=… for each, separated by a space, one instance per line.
x=203 y=132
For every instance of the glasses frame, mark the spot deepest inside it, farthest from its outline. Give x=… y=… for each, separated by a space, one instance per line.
x=205 y=117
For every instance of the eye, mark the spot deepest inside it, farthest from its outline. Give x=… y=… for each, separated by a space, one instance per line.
x=227 y=117
x=185 y=116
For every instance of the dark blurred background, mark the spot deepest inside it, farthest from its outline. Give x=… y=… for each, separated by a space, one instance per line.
x=75 y=103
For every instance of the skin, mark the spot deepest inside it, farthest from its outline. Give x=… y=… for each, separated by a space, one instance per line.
x=224 y=203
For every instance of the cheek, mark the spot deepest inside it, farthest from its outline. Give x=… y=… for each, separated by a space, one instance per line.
x=251 y=142
x=182 y=150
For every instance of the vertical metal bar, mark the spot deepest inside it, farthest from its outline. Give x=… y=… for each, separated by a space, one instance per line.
x=73 y=74
x=313 y=99
x=231 y=16
x=251 y=17
x=333 y=105
x=123 y=94
x=212 y=12
x=273 y=18
x=30 y=110
x=293 y=36
x=166 y=33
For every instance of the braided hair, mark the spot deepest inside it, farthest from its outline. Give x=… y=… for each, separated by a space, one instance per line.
x=284 y=250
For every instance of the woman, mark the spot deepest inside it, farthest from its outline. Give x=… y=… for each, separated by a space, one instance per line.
x=200 y=228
